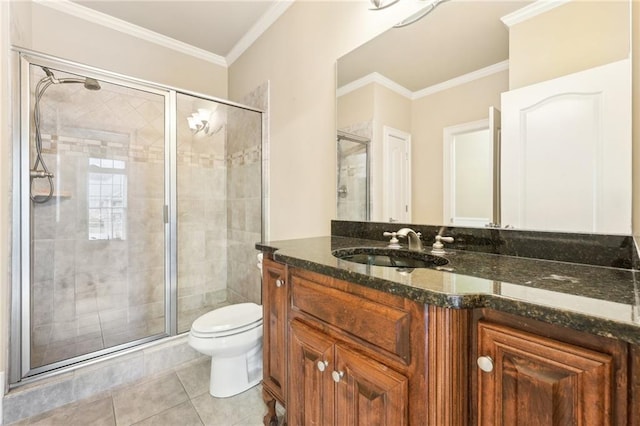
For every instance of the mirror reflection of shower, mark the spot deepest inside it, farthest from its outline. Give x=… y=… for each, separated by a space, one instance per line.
x=353 y=177
x=40 y=170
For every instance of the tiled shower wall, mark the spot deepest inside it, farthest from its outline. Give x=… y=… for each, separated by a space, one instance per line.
x=244 y=194
x=352 y=178
x=202 y=216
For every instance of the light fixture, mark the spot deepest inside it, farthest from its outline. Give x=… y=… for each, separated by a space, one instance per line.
x=420 y=14
x=205 y=121
x=383 y=4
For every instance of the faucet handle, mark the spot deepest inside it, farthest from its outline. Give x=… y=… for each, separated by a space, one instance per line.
x=393 y=242
x=438 y=247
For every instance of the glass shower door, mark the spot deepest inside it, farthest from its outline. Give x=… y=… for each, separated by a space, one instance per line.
x=353 y=177
x=201 y=174
x=97 y=176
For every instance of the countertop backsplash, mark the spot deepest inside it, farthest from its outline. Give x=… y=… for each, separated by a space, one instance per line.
x=616 y=251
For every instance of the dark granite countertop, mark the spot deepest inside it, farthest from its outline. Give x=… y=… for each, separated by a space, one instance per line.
x=599 y=300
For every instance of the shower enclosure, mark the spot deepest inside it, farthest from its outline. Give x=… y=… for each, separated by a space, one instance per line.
x=353 y=177
x=130 y=201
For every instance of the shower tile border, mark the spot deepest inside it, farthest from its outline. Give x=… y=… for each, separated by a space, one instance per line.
x=102 y=376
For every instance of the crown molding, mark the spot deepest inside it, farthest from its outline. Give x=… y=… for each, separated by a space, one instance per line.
x=465 y=78
x=116 y=24
x=530 y=11
x=266 y=20
x=375 y=77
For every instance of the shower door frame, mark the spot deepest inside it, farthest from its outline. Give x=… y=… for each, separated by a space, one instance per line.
x=19 y=348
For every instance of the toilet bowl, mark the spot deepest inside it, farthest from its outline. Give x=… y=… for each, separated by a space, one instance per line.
x=232 y=337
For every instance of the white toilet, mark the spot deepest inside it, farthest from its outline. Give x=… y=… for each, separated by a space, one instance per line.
x=232 y=336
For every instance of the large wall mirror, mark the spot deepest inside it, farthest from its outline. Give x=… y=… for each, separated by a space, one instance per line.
x=545 y=86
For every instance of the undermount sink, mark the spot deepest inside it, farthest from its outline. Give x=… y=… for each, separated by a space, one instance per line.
x=395 y=258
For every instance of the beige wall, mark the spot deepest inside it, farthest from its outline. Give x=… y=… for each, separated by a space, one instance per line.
x=356 y=106
x=572 y=37
x=392 y=109
x=297 y=55
x=431 y=114
x=46 y=30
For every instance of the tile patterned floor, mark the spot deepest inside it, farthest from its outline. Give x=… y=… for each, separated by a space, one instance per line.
x=178 y=397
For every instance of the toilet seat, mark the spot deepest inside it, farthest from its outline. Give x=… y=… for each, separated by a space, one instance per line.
x=228 y=320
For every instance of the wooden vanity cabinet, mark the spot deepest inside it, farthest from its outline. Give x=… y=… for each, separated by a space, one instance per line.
x=356 y=355
x=274 y=304
x=530 y=373
x=337 y=353
x=336 y=384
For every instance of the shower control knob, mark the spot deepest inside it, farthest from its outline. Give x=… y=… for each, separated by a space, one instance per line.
x=322 y=365
x=485 y=363
x=279 y=282
x=337 y=376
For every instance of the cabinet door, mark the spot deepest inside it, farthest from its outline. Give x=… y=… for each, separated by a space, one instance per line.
x=533 y=380
x=367 y=392
x=274 y=302
x=311 y=396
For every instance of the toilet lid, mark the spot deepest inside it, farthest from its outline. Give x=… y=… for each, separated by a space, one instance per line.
x=227 y=318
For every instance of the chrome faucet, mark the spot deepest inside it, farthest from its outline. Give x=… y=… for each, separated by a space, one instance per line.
x=412 y=236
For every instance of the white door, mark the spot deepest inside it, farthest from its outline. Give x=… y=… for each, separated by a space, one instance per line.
x=566 y=153
x=469 y=173
x=396 y=172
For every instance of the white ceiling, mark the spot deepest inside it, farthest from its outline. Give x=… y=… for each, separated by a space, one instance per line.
x=215 y=26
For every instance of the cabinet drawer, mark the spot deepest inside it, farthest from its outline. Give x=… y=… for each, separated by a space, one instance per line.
x=386 y=327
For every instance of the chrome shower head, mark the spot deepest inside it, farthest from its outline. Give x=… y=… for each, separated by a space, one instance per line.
x=48 y=72
x=91 y=84
x=88 y=82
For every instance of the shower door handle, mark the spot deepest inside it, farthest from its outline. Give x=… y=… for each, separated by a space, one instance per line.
x=165 y=214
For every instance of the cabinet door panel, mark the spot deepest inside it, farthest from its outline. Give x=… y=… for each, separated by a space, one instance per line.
x=540 y=381
x=369 y=393
x=274 y=301
x=311 y=397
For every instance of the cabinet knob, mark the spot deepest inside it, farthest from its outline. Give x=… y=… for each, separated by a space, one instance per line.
x=322 y=365
x=337 y=376
x=279 y=282
x=485 y=363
